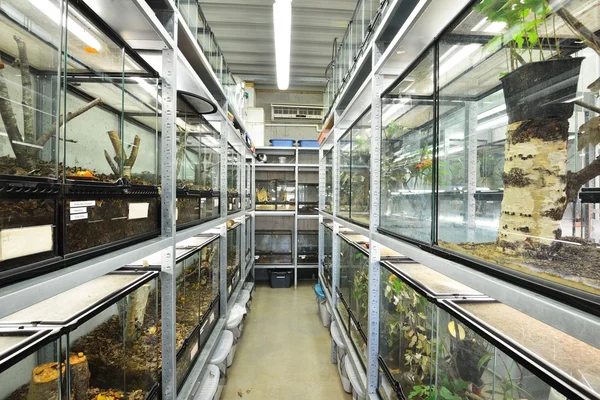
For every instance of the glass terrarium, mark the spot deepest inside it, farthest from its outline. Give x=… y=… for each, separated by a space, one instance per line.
x=248 y=186
x=286 y=195
x=344 y=287
x=234 y=200
x=328 y=256
x=197 y=165
x=360 y=170
x=266 y=195
x=248 y=237
x=329 y=182
x=110 y=157
x=111 y=334
x=234 y=246
x=29 y=364
x=273 y=247
x=308 y=198
x=520 y=145
x=486 y=348
x=407 y=309
x=343 y=187
x=29 y=144
x=359 y=299
x=407 y=154
x=308 y=247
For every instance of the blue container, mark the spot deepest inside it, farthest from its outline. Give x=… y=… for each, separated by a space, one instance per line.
x=319 y=291
x=308 y=143
x=282 y=142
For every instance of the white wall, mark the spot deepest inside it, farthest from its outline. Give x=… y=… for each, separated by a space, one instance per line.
x=264 y=99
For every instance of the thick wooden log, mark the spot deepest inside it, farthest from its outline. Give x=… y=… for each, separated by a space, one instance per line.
x=45 y=382
x=80 y=376
x=136 y=309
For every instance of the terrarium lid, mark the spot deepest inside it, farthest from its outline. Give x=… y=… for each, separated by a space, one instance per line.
x=17 y=343
x=200 y=104
x=155 y=259
x=80 y=303
x=196 y=241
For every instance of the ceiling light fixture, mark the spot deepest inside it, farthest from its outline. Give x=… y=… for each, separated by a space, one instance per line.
x=46 y=7
x=282 y=21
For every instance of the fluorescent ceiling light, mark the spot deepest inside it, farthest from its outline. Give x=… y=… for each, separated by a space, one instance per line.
x=491 y=111
x=458 y=57
x=282 y=21
x=494 y=27
x=50 y=10
x=494 y=123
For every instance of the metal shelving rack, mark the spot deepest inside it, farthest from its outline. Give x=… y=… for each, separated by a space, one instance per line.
x=297 y=168
x=182 y=66
x=420 y=24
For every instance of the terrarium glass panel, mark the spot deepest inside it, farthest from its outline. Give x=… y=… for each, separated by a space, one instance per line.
x=343 y=187
x=568 y=354
x=328 y=256
x=329 y=182
x=360 y=176
x=345 y=286
x=308 y=247
x=35 y=373
x=112 y=330
x=359 y=299
x=468 y=365
x=266 y=195
x=28 y=96
x=407 y=154
x=233 y=181
x=406 y=333
x=273 y=247
x=308 y=198
x=286 y=195
x=233 y=256
x=517 y=141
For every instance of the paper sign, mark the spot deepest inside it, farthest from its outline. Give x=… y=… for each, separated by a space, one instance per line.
x=211 y=318
x=78 y=210
x=138 y=210
x=215 y=202
x=194 y=351
x=20 y=242
x=75 y=217
x=87 y=203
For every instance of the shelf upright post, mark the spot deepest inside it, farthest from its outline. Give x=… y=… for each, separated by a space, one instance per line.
x=374 y=250
x=295 y=237
x=322 y=189
x=223 y=230
x=168 y=230
x=243 y=207
x=335 y=245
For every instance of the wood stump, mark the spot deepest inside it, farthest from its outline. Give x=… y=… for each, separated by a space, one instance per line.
x=45 y=382
x=80 y=376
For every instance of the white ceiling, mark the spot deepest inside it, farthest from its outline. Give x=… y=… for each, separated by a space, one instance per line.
x=244 y=30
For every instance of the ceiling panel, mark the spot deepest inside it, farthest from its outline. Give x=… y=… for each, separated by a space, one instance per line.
x=244 y=30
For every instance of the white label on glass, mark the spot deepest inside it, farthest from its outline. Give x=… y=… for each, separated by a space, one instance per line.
x=78 y=210
x=138 y=210
x=176 y=214
x=202 y=201
x=76 y=217
x=211 y=318
x=194 y=351
x=230 y=207
x=20 y=242
x=215 y=202
x=87 y=203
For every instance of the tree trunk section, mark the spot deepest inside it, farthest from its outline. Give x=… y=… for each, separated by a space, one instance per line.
x=45 y=382
x=80 y=376
x=136 y=309
x=535 y=185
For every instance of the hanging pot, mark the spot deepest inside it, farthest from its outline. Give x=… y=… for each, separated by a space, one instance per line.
x=539 y=90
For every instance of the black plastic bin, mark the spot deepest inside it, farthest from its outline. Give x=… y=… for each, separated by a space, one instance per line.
x=281 y=278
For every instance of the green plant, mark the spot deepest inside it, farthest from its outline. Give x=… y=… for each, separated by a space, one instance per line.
x=361 y=286
x=523 y=19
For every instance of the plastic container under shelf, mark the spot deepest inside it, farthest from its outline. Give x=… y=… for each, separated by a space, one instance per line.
x=322 y=306
x=209 y=385
x=234 y=321
x=336 y=335
x=308 y=143
x=280 y=278
x=357 y=391
x=282 y=142
x=219 y=357
x=244 y=300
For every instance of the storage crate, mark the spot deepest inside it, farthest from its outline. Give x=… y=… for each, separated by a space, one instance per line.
x=280 y=278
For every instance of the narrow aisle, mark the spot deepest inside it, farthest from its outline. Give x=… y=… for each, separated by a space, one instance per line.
x=284 y=350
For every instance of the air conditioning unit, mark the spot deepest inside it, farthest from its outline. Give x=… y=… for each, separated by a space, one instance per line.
x=297 y=111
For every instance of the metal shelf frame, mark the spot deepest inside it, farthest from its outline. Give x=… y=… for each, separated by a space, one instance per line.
x=298 y=170
x=423 y=19
x=159 y=44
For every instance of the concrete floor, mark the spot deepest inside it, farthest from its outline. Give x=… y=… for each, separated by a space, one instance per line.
x=284 y=350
